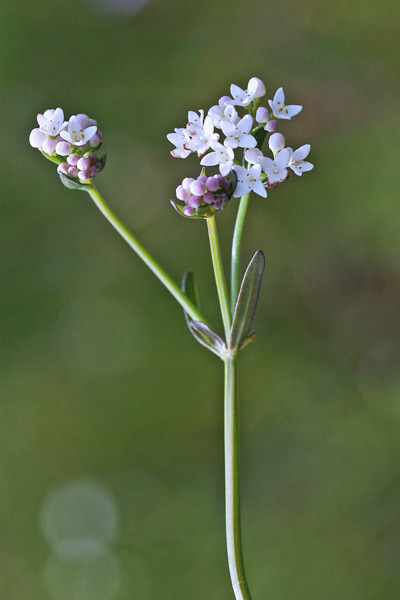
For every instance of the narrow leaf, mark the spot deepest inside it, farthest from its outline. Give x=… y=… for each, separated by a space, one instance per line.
x=247 y=301
x=207 y=337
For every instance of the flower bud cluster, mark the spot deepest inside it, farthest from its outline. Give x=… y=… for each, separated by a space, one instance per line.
x=205 y=195
x=70 y=144
x=244 y=134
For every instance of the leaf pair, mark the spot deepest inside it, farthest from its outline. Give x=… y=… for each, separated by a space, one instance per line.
x=243 y=317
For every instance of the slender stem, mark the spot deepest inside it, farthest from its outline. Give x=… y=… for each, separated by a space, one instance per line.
x=219 y=275
x=232 y=485
x=158 y=271
x=236 y=247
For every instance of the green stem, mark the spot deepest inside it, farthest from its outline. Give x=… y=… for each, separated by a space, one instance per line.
x=236 y=247
x=158 y=271
x=232 y=485
x=219 y=275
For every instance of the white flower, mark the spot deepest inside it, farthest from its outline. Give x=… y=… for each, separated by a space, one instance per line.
x=223 y=112
x=279 y=108
x=200 y=136
x=52 y=121
x=240 y=97
x=76 y=135
x=238 y=135
x=221 y=156
x=248 y=181
x=297 y=162
x=276 y=170
x=179 y=138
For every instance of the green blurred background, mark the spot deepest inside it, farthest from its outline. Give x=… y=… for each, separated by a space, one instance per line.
x=111 y=462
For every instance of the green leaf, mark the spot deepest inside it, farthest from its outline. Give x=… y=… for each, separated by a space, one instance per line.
x=260 y=137
x=207 y=337
x=247 y=301
x=74 y=185
x=189 y=288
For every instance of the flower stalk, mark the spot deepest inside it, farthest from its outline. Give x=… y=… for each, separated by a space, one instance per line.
x=146 y=257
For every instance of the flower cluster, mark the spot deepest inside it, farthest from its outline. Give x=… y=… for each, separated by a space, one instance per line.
x=204 y=195
x=70 y=144
x=245 y=133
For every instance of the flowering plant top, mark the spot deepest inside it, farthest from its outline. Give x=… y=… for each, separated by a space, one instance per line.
x=236 y=148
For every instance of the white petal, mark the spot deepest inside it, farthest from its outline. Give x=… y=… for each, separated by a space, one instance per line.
x=306 y=166
x=279 y=97
x=245 y=124
x=66 y=136
x=241 y=189
x=301 y=153
x=267 y=164
x=209 y=160
x=248 y=141
x=255 y=171
x=228 y=128
x=256 y=88
x=241 y=171
x=293 y=109
x=259 y=189
x=42 y=121
x=253 y=155
x=282 y=159
x=225 y=168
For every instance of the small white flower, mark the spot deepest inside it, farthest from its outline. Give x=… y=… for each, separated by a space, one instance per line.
x=52 y=121
x=240 y=97
x=297 y=162
x=76 y=135
x=201 y=136
x=238 y=135
x=276 y=170
x=279 y=108
x=221 y=156
x=224 y=112
x=249 y=180
x=179 y=138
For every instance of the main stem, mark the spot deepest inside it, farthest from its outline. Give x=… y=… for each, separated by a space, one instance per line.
x=219 y=275
x=236 y=247
x=153 y=265
x=232 y=485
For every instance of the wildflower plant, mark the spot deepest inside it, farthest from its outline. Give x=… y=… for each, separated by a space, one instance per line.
x=229 y=140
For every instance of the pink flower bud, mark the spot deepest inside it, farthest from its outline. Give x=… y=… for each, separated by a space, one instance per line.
x=93 y=158
x=63 y=168
x=262 y=115
x=73 y=160
x=270 y=126
x=195 y=201
x=84 y=120
x=182 y=193
x=212 y=184
x=63 y=148
x=99 y=166
x=83 y=164
x=100 y=134
x=188 y=211
x=276 y=142
x=49 y=145
x=73 y=171
x=84 y=175
x=226 y=184
x=93 y=171
x=36 y=138
x=202 y=178
x=198 y=188
x=186 y=182
x=94 y=141
x=208 y=198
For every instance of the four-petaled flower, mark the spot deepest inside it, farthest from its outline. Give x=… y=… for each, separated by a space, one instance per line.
x=179 y=138
x=279 y=108
x=238 y=135
x=201 y=136
x=76 y=134
x=223 y=112
x=249 y=180
x=52 y=121
x=221 y=155
x=276 y=170
x=297 y=162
